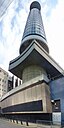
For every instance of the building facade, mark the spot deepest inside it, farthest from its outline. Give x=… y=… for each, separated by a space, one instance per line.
x=57 y=96
x=13 y=82
x=3 y=82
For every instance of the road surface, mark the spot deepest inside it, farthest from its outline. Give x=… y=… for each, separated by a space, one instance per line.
x=8 y=124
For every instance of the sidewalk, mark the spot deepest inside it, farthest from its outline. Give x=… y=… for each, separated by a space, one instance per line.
x=48 y=126
x=8 y=124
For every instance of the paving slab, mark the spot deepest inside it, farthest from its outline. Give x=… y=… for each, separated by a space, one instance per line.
x=8 y=124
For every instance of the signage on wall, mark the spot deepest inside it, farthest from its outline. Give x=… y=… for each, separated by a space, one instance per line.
x=56 y=117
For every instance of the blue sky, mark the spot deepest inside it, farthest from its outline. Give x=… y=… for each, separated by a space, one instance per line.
x=12 y=26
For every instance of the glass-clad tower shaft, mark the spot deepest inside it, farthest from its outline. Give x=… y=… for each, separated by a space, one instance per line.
x=34 y=28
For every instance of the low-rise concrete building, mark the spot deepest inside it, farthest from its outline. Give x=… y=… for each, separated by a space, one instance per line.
x=3 y=82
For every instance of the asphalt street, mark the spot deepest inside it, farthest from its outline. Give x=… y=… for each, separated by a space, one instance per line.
x=8 y=124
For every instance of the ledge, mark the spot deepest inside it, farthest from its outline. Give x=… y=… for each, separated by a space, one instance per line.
x=26 y=85
x=35 y=55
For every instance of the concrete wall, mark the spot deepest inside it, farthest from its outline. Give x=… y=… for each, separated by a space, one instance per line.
x=31 y=72
x=32 y=93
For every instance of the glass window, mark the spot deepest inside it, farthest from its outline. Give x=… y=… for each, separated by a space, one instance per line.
x=4 y=73
x=3 y=80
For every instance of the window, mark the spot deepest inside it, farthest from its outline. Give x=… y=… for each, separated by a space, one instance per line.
x=3 y=80
x=20 y=82
x=4 y=90
x=4 y=73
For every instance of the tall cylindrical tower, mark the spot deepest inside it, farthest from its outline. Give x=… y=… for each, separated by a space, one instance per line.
x=34 y=28
x=35 y=67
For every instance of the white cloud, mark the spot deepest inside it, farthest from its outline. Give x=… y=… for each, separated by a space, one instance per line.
x=55 y=33
x=9 y=39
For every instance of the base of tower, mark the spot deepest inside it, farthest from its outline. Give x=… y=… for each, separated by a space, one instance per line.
x=38 y=118
x=29 y=102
